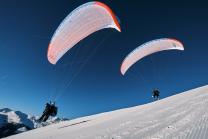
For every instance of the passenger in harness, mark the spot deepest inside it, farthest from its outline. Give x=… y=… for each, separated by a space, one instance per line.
x=50 y=110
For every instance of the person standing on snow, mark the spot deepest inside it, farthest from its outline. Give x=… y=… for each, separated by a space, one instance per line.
x=155 y=94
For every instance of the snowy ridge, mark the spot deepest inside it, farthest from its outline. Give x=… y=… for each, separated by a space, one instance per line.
x=14 y=122
x=9 y=116
x=182 y=116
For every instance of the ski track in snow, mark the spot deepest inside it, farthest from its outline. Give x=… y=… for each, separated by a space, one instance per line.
x=183 y=116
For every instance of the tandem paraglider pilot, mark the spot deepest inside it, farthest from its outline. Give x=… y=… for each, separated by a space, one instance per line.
x=50 y=110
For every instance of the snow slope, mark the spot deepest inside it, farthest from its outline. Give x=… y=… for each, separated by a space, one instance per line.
x=183 y=116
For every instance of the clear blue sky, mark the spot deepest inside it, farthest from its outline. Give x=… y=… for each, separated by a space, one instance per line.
x=28 y=80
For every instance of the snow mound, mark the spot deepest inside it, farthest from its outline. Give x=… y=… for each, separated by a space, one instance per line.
x=183 y=116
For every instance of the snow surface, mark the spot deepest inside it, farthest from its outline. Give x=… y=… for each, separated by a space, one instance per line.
x=183 y=116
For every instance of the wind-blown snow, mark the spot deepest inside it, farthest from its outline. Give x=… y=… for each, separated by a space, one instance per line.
x=183 y=116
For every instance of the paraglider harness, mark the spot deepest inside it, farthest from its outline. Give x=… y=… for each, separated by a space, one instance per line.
x=50 y=110
x=155 y=94
x=54 y=110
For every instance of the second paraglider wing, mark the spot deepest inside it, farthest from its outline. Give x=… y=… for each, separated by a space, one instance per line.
x=147 y=49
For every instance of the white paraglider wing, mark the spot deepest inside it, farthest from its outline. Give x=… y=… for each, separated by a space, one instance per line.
x=80 y=23
x=149 y=48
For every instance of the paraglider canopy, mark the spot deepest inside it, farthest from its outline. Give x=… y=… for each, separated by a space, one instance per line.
x=80 y=23
x=147 y=49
